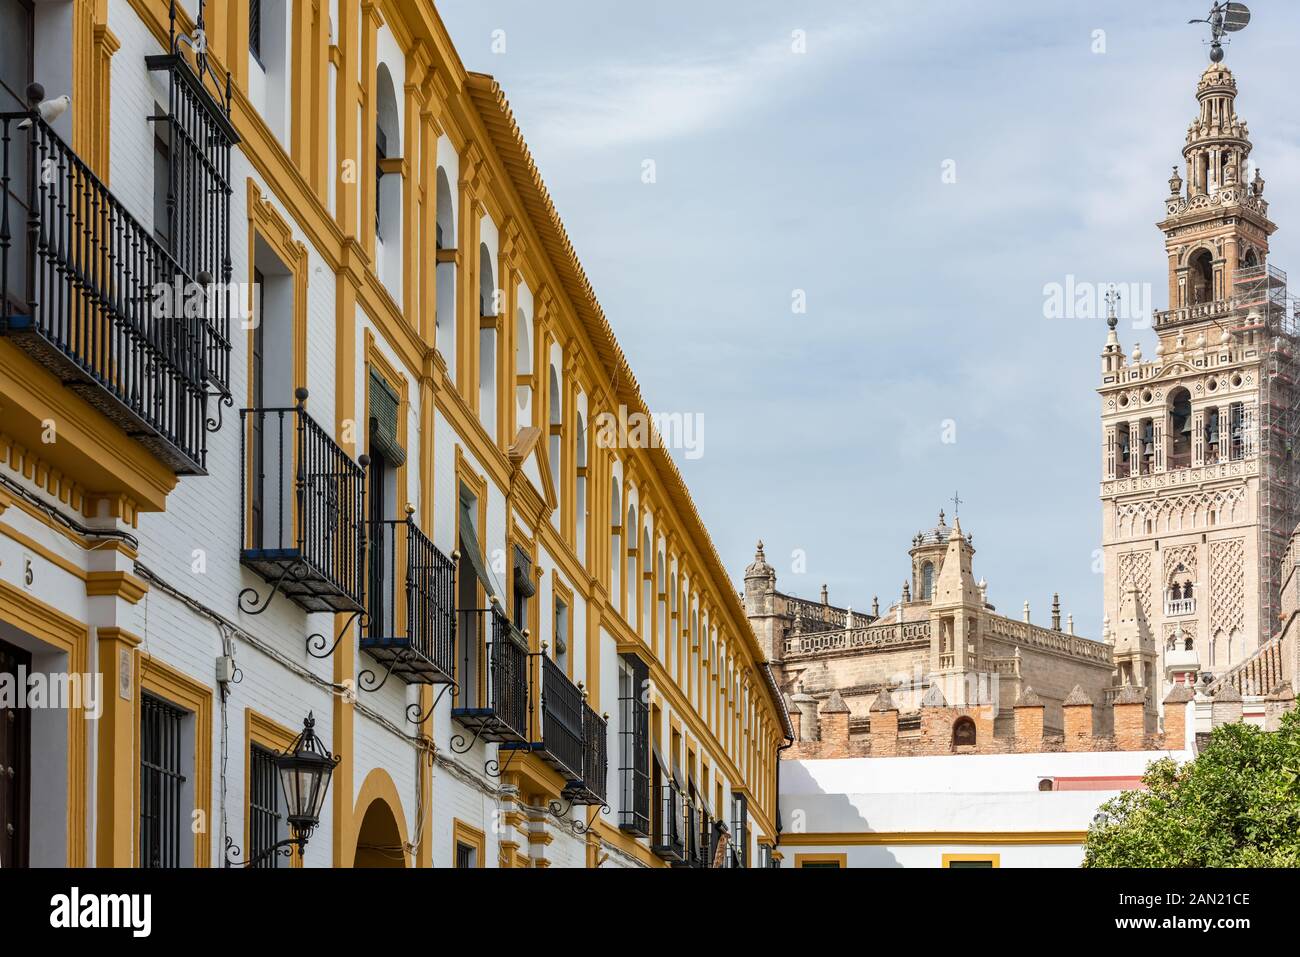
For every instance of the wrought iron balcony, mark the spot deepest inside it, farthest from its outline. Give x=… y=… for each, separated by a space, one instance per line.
x=302 y=508
x=591 y=786
x=573 y=737
x=669 y=840
x=410 y=624
x=78 y=292
x=493 y=690
x=200 y=136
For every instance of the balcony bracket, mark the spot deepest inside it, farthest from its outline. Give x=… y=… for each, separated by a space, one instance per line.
x=417 y=718
x=493 y=767
x=295 y=571
x=458 y=745
x=366 y=680
x=222 y=399
x=316 y=643
x=562 y=809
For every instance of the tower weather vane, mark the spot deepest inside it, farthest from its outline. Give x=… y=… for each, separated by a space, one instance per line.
x=1224 y=18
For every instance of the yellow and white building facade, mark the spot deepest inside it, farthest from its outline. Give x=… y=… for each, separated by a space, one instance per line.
x=300 y=384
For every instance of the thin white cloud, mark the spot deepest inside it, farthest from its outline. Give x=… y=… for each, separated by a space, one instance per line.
x=622 y=104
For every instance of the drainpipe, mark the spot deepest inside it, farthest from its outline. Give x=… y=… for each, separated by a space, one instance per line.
x=789 y=743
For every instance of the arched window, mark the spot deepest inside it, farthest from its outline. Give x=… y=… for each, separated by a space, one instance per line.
x=1180 y=428
x=555 y=427
x=1211 y=435
x=963 y=733
x=629 y=580
x=615 y=540
x=523 y=369
x=580 y=488
x=1045 y=784
x=388 y=185
x=445 y=274
x=927 y=581
x=1250 y=260
x=1200 y=277
x=489 y=301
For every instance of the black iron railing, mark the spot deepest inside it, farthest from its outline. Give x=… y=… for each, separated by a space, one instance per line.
x=410 y=599
x=89 y=292
x=595 y=755
x=492 y=695
x=669 y=839
x=562 y=720
x=301 y=507
x=199 y=138
x=634 y=749
x=590 y=786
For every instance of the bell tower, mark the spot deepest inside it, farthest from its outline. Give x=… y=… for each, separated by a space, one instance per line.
x=1198 y=490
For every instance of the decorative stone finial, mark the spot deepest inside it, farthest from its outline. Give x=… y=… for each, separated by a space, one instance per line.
x=1028 y=698
x=834 y=705
x=934 y=698
x=884 y=701
x=1078 y=696
x=1175 y=183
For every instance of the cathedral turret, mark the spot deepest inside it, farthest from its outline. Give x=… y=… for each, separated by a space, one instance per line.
x=760 y=600
x=1198 y=483
x=954 y=621
x=1216 y=221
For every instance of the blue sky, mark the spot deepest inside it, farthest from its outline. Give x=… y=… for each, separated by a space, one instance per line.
x=823 y=172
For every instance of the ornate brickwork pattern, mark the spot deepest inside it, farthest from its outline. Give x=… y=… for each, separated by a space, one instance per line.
x=1135 y=569
x=1180 y=555
x=1227 y=586
x=1180 y=513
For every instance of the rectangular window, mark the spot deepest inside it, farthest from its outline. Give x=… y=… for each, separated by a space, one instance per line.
x=561 y=635
x=162 y=178
x=740 y=828
x=634 y=745
x=468 y=845
x=972 y=860
x=161 y=813
x=255 y=29
x=265 y=822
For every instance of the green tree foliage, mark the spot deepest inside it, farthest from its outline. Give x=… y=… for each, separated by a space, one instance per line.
x=1236 y=805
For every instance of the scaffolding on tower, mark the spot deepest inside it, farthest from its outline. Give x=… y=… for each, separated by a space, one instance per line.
x=1268 y=317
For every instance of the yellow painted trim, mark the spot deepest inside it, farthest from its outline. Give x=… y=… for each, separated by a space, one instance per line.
x=994 y=859
x=462 y=833
x=379 y=786
x=261 y=730
x=802 y=860
x=162 y=680
x=875 y=838
x=65 y=633
x=265 y=221
x=122 y=585
x=105 y=461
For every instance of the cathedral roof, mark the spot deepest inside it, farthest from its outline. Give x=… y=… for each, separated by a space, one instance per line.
x=935 y=536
